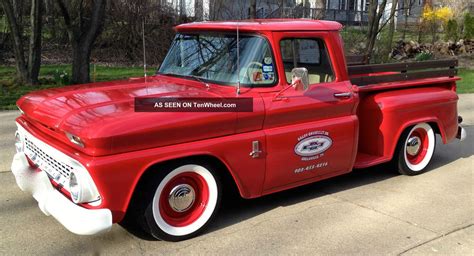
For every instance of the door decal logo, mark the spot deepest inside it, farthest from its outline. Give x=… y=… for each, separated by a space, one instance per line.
x=313 y=145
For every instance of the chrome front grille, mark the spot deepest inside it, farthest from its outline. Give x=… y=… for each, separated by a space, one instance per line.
x=56 y=169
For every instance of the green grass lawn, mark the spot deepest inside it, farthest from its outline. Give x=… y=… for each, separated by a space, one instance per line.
x=49 y=77
x=466 y=85
x=103 y=73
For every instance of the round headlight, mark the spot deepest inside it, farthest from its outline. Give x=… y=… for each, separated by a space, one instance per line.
x=82 y=188
x=18 y=142
x=75 y=188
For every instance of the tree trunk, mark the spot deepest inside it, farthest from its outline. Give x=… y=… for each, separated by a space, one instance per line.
x=20 y=64
x=306 y=9
x=253 y=9
x=27 y=70
x=81 y=64
x=434 y=30
x=391 y=28
x=321 y=5
x=34 y=56
x=83 y=37
x=374 y=22
x=420 y=30
x=372 y=13
x=198 y=9
x=406 y=7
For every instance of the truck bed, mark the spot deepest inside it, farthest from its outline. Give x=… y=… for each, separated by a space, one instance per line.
x=406 y=84
x=398 y=75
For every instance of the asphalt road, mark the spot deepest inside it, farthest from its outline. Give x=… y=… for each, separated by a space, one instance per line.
x=371 y=211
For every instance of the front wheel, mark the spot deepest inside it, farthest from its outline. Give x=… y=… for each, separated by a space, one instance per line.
x=184 y=199
x=415 y=149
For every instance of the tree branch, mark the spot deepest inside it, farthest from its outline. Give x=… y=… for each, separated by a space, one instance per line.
x=67 y=20
x=16 y=35
x=97 y=21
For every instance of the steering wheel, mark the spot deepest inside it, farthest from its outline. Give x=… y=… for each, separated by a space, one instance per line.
x=249 y=70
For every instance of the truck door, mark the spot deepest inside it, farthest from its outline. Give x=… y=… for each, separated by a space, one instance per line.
x=309 y=134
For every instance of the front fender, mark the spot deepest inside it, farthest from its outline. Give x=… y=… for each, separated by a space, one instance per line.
x=117 y=176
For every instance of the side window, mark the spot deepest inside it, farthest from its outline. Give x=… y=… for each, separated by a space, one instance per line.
x=310 y=54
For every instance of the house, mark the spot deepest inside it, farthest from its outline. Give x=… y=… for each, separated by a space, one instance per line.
x=348 y=12
x=410 y=11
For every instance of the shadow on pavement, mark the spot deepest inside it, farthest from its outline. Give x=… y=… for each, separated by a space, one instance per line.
x=237 y=209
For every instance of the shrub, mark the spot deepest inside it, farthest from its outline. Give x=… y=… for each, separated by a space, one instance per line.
x=452 y=30
x=422 y=56
x=468 y=26
x=61 y=77
x=354 y=40
x=436 y=18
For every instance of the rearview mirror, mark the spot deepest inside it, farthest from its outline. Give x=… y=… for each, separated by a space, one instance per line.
x=299 y=79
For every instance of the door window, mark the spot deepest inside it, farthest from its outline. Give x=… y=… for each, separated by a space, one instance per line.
x=310 y=54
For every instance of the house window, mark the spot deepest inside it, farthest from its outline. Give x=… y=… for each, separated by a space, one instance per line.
x=352 y=5
x=342 y=4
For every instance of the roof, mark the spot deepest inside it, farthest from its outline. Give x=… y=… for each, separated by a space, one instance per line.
x=263 y=25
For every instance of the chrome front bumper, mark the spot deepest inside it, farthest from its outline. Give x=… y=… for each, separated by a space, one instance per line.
x=75 y=218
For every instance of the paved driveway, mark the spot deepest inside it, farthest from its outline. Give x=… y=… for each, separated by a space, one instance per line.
x=371 y=211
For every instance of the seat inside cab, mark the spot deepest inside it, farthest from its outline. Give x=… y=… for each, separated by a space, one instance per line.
x=308 y=53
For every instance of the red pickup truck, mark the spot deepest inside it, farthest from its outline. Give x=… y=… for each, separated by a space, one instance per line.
x=91 y=157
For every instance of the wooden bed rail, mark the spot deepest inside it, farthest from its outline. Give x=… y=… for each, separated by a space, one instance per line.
x=401 y=71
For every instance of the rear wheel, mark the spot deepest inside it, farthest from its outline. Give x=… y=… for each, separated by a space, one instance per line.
x=415 y=149
x=181 y=202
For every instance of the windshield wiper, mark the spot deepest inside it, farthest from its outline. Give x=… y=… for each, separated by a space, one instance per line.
x=196 y=78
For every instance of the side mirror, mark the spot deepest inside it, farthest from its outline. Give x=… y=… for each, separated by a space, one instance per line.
x=300 y=79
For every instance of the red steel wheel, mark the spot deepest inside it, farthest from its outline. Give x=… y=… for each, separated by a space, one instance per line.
x=416 y=149
x=183 y=199
x=184 y=202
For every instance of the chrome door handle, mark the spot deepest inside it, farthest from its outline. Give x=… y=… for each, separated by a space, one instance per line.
x=255 y=149
x=343 y=95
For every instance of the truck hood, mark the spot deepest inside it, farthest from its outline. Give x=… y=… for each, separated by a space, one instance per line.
x=103 y=116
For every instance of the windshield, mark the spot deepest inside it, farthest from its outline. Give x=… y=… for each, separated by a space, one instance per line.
x=213 y=57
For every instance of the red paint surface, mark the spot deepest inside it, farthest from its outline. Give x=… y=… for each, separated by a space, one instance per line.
x=122 y=144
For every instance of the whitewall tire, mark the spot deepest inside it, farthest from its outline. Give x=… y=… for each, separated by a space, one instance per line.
x=185 y=200
x=177 y=202
x=415 y=149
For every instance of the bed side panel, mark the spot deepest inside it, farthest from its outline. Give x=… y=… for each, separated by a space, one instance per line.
x=383 y=117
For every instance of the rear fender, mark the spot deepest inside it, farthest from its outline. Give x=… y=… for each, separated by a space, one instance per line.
x=385 y=115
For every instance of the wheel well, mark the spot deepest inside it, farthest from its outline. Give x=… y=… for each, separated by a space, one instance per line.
x=228 y=183
x=433 y=125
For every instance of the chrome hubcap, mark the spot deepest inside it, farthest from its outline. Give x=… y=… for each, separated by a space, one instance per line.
x=413 y=145
x=181 y=197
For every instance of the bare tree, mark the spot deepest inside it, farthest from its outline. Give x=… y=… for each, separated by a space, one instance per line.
x=321 y=7
x=27 y=68
x=182 y=9
x=198 y=9
x=376 y=11
x=391 y=28
x=83 y=29
x=407 y=6
x=253 y=9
